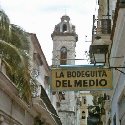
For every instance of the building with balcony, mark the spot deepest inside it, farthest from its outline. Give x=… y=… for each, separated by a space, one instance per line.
x=41 y=94
x=117 y=51
x=114 y=10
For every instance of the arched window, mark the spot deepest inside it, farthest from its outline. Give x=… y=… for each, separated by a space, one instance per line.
x=84 y=100
x=63 y=56
x=64 y=27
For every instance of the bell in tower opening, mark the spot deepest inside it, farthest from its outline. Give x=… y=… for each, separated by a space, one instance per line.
x=65 y=28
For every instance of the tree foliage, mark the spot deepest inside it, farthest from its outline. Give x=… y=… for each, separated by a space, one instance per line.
x=14 y=53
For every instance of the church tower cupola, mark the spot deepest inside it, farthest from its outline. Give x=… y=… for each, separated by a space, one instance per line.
x=64 y=28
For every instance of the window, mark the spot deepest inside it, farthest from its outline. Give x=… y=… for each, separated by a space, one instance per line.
x=83 y=112
x=63 y=56
x=109 y=122
x=84 y=100
x=83 y=115
x=106 y=26
x=114 y=120
x=64 y=27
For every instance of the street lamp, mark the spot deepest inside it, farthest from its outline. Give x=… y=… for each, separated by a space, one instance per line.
x=98 y=53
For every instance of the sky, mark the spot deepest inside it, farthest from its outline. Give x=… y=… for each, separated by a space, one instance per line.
x=41 y=16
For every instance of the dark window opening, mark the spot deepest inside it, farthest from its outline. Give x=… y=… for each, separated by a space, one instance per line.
x=83 y=111
x=83 y=117
x=63 y=56
x=114 y=120
x=84 y=100
x=64 y=27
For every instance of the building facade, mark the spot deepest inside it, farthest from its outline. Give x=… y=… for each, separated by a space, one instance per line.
x=41 y=94
x=114 y=11
x=40 y=111
x=117 y=37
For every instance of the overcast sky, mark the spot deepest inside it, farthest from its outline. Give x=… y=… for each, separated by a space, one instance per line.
x=41 y=16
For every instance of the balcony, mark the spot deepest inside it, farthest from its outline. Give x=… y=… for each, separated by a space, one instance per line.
x=43 y=104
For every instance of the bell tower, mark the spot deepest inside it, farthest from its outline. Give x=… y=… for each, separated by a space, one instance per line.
x=64 y=42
